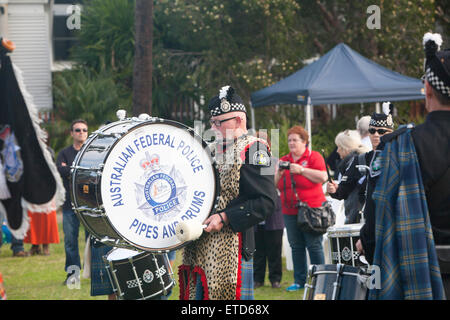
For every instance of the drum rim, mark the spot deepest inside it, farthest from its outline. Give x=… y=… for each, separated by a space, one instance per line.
x=139 y=124
x=140 y=255
x=323 y=268
x=134 y=257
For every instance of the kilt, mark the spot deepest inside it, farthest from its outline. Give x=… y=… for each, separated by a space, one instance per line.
x=100 y=283
x=246 y=284
x=247 y=280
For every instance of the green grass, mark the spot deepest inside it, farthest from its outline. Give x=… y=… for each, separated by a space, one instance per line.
x=41 y=277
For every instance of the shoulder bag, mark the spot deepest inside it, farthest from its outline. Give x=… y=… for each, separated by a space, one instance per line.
x=313 y=220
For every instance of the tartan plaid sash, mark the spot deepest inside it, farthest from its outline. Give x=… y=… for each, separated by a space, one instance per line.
x=405 y=249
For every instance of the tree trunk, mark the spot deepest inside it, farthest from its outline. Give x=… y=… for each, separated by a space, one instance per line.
x=142 y=73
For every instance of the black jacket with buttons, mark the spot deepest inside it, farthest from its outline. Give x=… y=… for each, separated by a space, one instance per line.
x=256 y=200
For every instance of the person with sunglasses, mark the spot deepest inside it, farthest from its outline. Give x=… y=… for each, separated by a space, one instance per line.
x=71 y=224
x=356 y=177
x=219 y=265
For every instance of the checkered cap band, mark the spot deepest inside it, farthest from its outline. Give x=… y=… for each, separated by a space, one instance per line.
x=437 y=83
x=218 y=110
x=382 y=121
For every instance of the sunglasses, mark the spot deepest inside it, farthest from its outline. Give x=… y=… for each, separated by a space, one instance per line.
x=217 y=123
x=79 y=130
x=380 y=131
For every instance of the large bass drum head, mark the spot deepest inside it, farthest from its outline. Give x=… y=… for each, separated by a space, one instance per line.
x=155 y=176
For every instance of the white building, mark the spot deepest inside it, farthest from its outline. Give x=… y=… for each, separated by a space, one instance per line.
x=39 y=31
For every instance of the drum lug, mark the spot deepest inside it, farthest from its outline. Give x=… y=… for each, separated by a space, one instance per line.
x=116 y=135
x=93 y=212
x=99 y=170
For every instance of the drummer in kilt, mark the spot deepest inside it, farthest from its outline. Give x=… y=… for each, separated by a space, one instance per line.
x=219 y=264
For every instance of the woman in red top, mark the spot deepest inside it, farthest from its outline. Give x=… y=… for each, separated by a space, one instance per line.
x=308 y=170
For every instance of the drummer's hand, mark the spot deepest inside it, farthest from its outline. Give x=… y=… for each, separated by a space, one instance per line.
x=214 y=223
x=359 y=247
x=332 y=187
x=63 y=164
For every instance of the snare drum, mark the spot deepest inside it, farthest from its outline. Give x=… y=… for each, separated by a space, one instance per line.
x=342 y=243
x=336 y=282
x=138 y=275
x=134 y=180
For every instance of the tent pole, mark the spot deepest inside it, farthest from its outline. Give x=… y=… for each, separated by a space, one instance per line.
x=252 y=113
x=308 y=122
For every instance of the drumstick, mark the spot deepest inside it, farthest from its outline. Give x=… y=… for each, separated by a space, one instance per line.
x=189 y=231
x=326 y=165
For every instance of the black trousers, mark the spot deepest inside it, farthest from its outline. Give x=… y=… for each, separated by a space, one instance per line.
x=268 y=244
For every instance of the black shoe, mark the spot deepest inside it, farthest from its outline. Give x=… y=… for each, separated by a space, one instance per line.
x=276 y=285
x=257 y=284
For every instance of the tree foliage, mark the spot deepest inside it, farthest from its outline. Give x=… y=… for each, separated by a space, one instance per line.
x=201 y=45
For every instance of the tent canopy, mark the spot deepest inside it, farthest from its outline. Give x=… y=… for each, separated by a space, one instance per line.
x=341 y=76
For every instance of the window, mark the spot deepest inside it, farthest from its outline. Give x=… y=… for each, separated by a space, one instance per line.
x=64 y=38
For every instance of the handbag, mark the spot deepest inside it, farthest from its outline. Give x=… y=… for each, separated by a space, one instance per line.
x=313 y=220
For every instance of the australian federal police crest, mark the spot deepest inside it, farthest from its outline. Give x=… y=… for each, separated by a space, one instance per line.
x=161 y=189
x=161 y=193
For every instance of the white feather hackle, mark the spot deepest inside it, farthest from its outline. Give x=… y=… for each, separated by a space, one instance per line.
x=386 y=108
x=223 y=92
x=436 y=37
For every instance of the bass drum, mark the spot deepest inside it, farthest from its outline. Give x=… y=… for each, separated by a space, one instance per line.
x=134 y=180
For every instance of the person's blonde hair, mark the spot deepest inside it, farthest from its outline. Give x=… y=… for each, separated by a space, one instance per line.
x=350 y=140
x=363 y=126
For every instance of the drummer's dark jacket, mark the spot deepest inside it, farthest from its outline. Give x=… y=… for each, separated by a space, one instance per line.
x=256 y=200
x=351 y=187
x=432 y=143
x=353 y=179
x=66 y=155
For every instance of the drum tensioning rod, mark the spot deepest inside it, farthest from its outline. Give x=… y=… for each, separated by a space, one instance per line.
x=311 y=272
x=171 y=270
x=116 y=281
x=338 y=249
x=351 y=248
x=159 y=275
x=130 y=259
x=337 y=284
